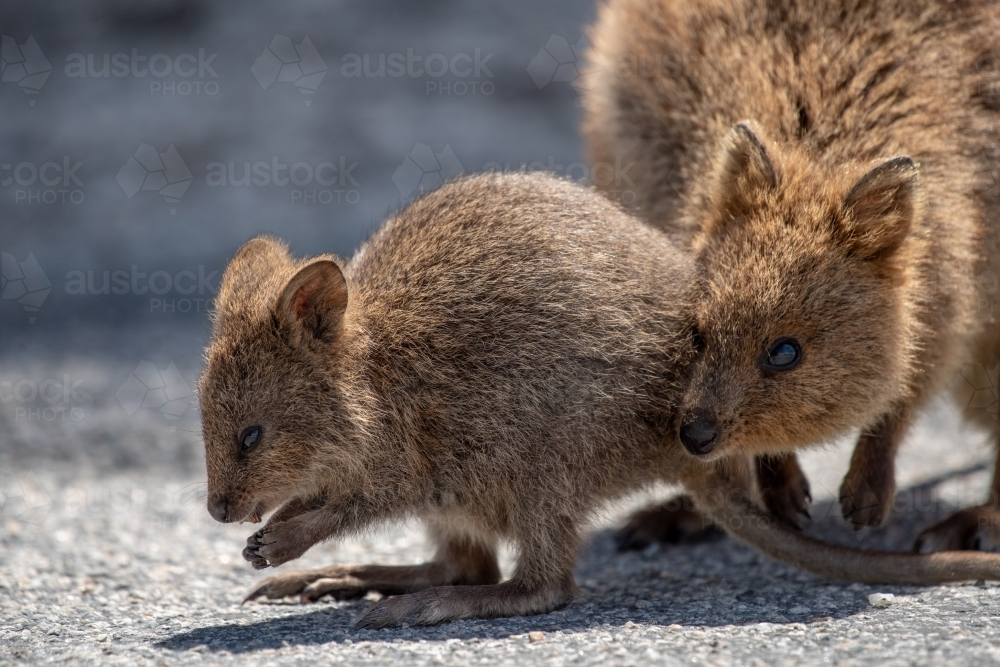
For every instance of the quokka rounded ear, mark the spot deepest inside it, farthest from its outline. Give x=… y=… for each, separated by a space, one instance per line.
x=744 y=172
x=313 y=302
x=252 y=265
x=880 y=206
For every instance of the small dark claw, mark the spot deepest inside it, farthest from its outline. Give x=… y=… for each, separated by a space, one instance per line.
x=252 y=554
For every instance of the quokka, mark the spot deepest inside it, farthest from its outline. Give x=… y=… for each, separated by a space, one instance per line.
x=834 y=168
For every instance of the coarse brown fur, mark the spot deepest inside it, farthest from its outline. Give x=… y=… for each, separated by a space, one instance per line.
x=834 y=166
x=498 y=360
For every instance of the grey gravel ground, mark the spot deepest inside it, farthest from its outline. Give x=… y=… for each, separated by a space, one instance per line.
x=117 y=567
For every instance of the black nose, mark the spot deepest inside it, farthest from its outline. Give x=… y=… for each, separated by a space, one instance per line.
x=219 y=509
x=699 y=432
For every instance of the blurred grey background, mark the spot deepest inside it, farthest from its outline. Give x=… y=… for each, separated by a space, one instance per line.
x=142 y=142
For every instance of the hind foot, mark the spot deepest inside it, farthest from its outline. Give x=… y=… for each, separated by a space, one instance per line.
x=347 y=582
x=973 y=529
x=448 y=603
x=674 y=522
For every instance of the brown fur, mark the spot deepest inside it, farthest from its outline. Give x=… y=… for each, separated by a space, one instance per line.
x=501 y=358
x=764 y=131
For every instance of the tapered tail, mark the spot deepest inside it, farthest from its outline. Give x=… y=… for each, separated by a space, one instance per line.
x=731 y=509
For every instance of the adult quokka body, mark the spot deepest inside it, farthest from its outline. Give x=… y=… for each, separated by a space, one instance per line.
x=499 y=360
x=833 y=166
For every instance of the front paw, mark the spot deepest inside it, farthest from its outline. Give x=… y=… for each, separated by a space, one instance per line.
x=275 y=544
x=784 y=489
x=866 y=501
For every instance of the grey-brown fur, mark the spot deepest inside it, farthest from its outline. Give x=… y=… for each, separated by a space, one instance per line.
x=498 y=360
x=774 y=136
x=509 y=357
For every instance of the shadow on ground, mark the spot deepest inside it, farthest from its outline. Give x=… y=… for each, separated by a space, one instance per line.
x=710 y=584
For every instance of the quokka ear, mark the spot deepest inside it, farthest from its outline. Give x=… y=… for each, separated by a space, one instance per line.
x=880 y=207
x=744 y=172
x=312 y=303
x=250 y=268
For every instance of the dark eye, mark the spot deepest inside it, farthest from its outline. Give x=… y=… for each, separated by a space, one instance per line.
x=250 y=438
x=783 y=355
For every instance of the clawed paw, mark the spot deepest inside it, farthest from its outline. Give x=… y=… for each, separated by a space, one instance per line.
x=784 y=488
x=790 y=501
x=252 y=550
x=273 y=545
x=866 y=502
